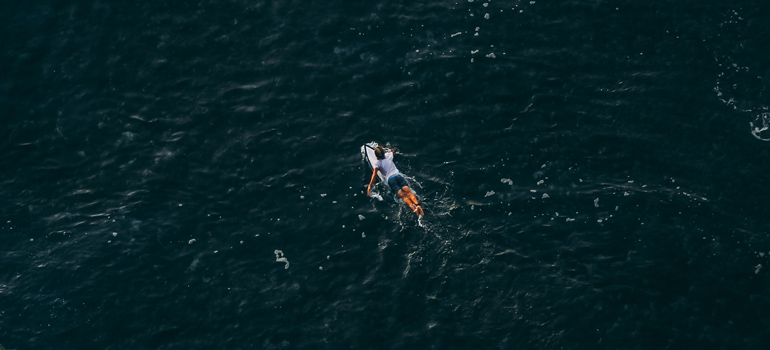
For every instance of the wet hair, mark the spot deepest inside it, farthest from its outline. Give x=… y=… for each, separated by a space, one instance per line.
x=379 y=152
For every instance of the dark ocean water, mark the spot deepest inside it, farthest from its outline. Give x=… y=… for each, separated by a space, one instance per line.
x=594 y=175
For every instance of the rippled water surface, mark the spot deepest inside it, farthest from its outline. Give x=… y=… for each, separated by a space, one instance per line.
x=187 y=174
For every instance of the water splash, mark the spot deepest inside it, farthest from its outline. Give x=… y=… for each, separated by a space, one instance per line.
x=760 y=127
x=737 y=84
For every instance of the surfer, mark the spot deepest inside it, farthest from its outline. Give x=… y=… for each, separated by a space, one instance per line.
x=396 y=182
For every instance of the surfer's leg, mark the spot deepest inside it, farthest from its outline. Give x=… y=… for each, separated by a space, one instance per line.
x=410 y=194
x=405 y=193
x=411 y=199
x=407 y=200
x=405 y=196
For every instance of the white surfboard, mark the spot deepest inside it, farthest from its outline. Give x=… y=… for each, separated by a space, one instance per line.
x=367 y=151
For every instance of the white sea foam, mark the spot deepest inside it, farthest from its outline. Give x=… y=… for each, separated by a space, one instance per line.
x=759 y=130
x=279 y=257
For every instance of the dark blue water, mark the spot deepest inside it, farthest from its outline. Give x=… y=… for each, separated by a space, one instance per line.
x=187 y=175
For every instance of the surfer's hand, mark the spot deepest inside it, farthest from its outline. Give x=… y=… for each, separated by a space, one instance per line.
x=368 y=189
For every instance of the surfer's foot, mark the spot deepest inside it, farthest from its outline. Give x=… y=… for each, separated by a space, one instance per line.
x=418 y=211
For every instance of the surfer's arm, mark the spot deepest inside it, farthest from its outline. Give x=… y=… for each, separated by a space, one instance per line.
x=369 y=188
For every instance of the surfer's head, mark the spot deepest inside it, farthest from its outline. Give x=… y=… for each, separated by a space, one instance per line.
x=379 y=152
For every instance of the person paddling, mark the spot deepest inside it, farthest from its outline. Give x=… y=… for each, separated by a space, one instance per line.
x=396 y=182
